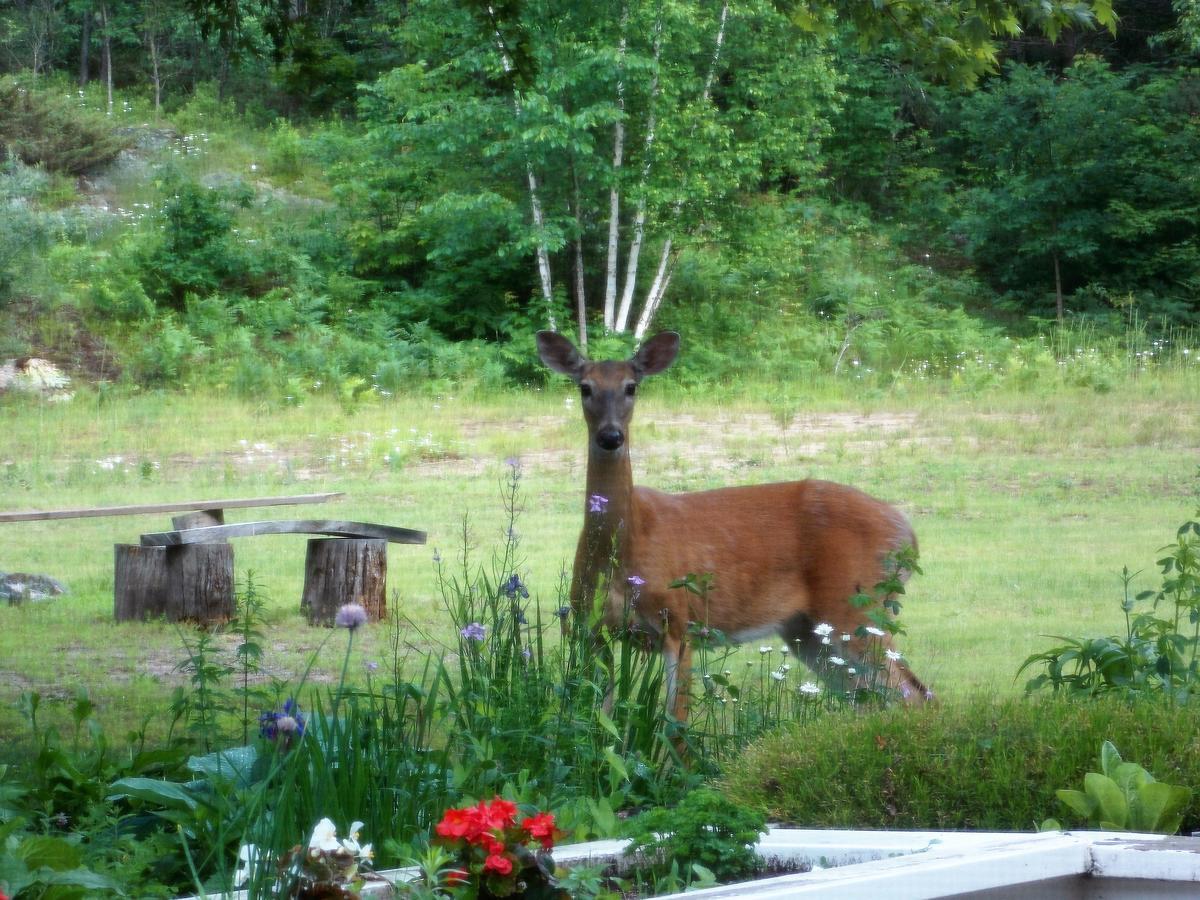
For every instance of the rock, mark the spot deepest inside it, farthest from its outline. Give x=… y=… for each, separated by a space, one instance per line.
x=30 y=375
x=18 y=587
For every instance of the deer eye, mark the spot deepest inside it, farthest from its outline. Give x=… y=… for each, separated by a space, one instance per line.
x=630 y=389
x=585 y=391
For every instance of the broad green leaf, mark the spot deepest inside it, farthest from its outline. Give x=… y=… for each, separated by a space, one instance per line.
x=39 y=851
x=1158 y=807
x=234 y=764
x=83 y=878
x=1130 y=776
x=151 y=790
x=1110 y=801
x=607 y=724
x=1079 y=802
x=1110 y=758
x=616 y=763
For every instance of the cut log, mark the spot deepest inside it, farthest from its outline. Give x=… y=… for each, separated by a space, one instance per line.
x=200 y=583
x=344 y=570
x=140 y=582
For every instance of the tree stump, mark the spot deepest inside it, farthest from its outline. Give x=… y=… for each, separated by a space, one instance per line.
x=344 y=570
x=200 y=583
x=140 y=582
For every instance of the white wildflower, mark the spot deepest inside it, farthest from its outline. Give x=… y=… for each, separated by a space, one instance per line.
x=871 y=629
x=823 y=630
x=324 y=837
x=248 y=859
x=809 y=687
x=893 y=655
x=837 y=660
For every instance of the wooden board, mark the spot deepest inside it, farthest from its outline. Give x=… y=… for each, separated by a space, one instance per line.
x=364 y=530
x=34 y=515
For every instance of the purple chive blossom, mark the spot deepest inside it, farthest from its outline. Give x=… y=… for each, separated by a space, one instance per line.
x=597 y=503
x=474 y=632
x=636 y=580
x=563 y=611
x=350 y=615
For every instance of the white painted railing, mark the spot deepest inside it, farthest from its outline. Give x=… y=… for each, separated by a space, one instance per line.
x=924 y=865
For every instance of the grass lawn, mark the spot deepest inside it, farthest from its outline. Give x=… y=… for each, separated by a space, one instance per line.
x=1027 y=506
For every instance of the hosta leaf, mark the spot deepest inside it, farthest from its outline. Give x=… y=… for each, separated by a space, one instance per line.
x=1079 y=802
x=1109 y=799
x=1159 y=807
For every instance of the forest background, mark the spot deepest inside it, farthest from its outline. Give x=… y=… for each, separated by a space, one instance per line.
x=355 y=197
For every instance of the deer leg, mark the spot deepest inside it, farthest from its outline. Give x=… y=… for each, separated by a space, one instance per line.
x=677 y=656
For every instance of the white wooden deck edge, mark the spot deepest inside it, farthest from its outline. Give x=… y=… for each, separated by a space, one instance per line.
x=913 y=865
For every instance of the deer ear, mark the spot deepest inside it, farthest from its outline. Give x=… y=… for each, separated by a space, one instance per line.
x=559 y=354
x=656 y=355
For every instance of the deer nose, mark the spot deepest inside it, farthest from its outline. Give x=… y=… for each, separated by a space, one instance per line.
x=610 y=438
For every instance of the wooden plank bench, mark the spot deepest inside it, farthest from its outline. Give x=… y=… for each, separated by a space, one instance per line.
x=187 y=573
x=353 y=567
x=215 y=508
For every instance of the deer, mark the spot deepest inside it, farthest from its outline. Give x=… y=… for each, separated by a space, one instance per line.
x=782 y=558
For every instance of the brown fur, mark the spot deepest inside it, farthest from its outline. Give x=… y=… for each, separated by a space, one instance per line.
x=783 y=557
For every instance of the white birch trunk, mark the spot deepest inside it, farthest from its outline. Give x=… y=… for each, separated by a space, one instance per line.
x=663 y=276
x=108 y=74
x=658 y=290
x=614 y=193
x=535 y=203
x=639 y=222
x=543 y=254
x=580 y=283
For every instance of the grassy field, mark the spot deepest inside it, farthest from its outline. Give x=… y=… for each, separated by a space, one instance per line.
x=1027 y=506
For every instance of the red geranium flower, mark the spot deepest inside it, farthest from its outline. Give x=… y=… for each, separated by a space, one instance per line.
x=501 y=865
x=542 y=827
x=501 y=813
x=456 y=823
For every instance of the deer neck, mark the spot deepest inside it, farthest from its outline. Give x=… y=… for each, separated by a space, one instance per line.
x=608 y=508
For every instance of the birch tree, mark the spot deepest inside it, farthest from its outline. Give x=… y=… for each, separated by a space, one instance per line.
x=612 y=137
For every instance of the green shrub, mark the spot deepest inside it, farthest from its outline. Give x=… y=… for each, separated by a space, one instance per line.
x=193 y=250
x=982 y=763
x=704 y=829
x=44 y=128
x=1159 y=653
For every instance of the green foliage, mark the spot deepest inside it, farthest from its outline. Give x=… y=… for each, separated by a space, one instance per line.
x=704 y=829
x=1123 y=796
x=983 y=763
x=51 y=868
x=43 y=128
x=194 y=251
x=1159 y=654
x=22 y=231
x=1076 y=184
